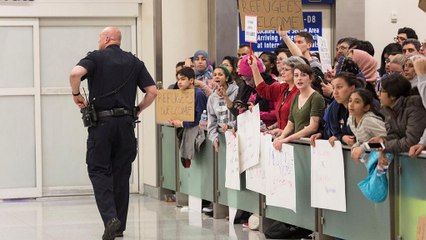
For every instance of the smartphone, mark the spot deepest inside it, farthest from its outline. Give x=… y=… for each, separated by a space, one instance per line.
x=238 y=104
x=370 y=146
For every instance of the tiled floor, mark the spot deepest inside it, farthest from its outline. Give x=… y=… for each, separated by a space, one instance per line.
x=66 y=218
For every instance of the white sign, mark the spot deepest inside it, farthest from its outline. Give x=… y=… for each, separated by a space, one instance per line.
x=328 y=176
x=256 y=176
x=324 y=53
x=249 y=138
x=281 y=178
x=232 y=179
x=250 y=29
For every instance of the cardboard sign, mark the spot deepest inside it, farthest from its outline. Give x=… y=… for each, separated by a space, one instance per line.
x=422 y=5
x=251 y=29
x=421 y=228
x=175 y=104
x=273 y=13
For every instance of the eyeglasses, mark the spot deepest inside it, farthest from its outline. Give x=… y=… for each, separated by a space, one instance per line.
x=398 y=38
x=343 y=48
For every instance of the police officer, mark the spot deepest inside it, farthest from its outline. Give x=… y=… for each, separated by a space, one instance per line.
x=113 y=77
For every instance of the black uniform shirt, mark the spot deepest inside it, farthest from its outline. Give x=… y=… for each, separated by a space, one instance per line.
x=107 y=70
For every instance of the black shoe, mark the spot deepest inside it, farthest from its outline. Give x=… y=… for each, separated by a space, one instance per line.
x=119 y=234
x=111 y=228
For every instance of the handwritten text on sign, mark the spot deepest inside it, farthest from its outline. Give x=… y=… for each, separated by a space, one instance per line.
x=328 y=176
x=281 y=178
x=232 y=179
x=273 y=13
x=175 y=104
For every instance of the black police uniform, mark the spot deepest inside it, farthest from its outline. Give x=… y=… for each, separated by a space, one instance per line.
x=111 y=144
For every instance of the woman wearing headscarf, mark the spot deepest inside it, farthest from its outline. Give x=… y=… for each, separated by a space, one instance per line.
x=203 y=70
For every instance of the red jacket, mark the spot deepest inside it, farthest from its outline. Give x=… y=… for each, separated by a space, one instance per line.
x=279 y=93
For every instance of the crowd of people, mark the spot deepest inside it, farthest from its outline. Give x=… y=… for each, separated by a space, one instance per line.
x=357 y=101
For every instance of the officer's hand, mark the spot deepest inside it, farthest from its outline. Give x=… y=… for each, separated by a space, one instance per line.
x=79 y=100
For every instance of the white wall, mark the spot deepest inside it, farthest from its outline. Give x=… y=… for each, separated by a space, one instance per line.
x=185 y=31
x=378 y=27
x=147 y=133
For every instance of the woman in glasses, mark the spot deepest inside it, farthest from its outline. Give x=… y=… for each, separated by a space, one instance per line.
x=404 y=116
x=281 y=94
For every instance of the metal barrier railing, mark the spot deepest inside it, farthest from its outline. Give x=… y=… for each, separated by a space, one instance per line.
x=394 y=218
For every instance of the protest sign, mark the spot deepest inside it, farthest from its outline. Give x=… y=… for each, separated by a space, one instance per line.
x=328 y=176
x=249 y=137
x=232 y=170
x=251 y=29
x=281 y=178
x=175 y=104
x=273 y=13
x=256 y=176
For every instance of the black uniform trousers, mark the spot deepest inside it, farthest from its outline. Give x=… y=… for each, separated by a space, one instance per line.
x=111 y=149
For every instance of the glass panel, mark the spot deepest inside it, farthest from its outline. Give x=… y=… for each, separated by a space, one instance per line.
x=168 y=143
x=17 y=142
x=412 y=197
x=197 y=180
x=305 y=214
x=64 y=143
x=62 y=47
x=363 y=219
x=16 y=58
x=245 y=199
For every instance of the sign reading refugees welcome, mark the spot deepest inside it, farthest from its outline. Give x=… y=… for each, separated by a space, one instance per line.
x=175 y=104
x=273 y=13
x=268 y=40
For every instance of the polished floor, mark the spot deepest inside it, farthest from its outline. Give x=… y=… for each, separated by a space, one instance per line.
x=66 y=218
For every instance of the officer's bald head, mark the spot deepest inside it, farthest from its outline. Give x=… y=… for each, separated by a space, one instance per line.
x=109 y=36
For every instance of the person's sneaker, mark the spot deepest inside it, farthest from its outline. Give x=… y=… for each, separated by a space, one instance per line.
x=253 y=222
x=119 y=234
x=111 y=228
x=207 y=209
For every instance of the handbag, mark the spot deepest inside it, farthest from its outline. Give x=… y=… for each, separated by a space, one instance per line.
x=374 y=186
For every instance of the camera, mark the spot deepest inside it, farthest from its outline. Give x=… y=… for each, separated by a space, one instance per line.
x=89 y=116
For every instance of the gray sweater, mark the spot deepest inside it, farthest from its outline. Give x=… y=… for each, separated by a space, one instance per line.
x=218 y=113
x=369 y=126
